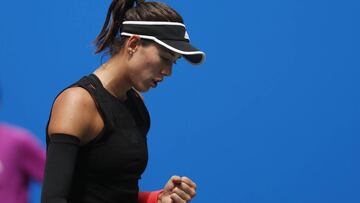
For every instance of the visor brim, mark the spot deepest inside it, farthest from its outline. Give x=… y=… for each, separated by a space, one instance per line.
x=188 y=51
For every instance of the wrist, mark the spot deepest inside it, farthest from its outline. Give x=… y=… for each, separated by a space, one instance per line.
x=160 y=195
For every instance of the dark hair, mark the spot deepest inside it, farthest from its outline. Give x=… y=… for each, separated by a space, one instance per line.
x=130 y=10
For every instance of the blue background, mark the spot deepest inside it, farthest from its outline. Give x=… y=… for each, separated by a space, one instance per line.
x=271 y=116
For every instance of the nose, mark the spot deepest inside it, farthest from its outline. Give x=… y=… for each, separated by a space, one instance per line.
x=167 y=71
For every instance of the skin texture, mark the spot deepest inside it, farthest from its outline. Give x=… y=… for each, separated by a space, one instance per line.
x=178 y=189
x=141 y=67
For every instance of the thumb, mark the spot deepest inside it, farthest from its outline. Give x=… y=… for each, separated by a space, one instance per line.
x=170 y=185
x=176 y=180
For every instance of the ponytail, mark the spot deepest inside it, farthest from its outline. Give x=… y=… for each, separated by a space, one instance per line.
x=130 y=10
x=115 y=17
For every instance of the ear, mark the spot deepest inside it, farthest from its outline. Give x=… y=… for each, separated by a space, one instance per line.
x=133 y=43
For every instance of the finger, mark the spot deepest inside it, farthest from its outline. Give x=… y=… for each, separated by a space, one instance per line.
x=187 y=189
x=173 y=181
x=176 y=198
x=176 y=179
x=182 y=194
x=188 y=181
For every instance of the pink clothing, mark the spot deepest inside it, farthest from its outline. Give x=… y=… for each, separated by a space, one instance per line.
x=21 y=159
x=149 y=197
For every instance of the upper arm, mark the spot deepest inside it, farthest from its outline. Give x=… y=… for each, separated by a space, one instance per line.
x=73 y=113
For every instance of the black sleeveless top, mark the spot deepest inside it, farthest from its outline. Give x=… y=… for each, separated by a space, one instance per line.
x=108 y=168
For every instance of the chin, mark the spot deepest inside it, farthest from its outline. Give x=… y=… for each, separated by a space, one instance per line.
x=142 y=88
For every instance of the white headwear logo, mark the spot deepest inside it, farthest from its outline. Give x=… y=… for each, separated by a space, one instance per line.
x=186 y=35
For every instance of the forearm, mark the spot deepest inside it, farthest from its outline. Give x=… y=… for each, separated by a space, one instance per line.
x=61 y=158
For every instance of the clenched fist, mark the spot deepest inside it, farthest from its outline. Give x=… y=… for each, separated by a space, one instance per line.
x=178 y=190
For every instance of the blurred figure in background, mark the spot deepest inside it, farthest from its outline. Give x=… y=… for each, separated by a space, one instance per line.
x=22 y=160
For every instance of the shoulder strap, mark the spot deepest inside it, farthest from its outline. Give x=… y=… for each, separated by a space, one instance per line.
x=93 y=85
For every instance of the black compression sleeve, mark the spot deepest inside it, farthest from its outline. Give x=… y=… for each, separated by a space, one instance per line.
x=60 y=163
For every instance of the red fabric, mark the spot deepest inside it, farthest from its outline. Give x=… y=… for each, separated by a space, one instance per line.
x=149 y=197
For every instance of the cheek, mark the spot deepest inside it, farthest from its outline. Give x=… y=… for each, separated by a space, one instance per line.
x=152 y=61
x=153 y=66
x=145 y=71
x=146 y=66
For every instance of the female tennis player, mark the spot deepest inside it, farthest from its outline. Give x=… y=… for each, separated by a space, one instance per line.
x=96 y=134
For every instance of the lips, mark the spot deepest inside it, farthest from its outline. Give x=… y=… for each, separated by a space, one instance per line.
x=156 y=81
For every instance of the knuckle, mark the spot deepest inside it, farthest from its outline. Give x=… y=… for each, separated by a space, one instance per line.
x=176 y=189
x=174 y=177
x=185 y=178
x=192 y=193
x=174 y=196
x=188 y=198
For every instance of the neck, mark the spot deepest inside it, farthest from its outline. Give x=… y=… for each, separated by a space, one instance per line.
x=113 y=77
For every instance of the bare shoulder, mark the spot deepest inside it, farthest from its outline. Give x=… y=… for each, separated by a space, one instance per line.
x=72 y=113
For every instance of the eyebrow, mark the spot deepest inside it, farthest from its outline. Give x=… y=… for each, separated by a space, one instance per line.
x=171 y=53
x=165 y=50
x=168 y=54
x=174 y=55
